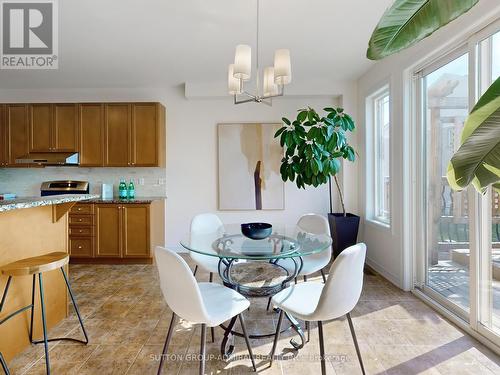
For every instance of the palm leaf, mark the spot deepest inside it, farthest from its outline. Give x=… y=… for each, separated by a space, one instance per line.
x=408 y=21
x=477 y=161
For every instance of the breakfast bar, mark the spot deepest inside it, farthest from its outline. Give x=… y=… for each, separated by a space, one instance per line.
x=32 y=227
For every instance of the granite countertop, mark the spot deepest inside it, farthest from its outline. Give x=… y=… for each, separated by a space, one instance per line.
x=116 y=200
x=29 y=202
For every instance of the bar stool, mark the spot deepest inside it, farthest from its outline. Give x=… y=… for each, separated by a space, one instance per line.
x=36 y=266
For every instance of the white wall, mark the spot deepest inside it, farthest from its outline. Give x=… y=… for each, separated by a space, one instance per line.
x=191 y=171
x=389 y=250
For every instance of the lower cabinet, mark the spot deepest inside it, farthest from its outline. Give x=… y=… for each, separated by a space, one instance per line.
x=110 y=232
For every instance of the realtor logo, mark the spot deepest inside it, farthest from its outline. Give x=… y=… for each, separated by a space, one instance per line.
x=29 y=34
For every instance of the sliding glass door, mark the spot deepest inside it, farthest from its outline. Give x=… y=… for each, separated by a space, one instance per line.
x=446 y=105
x=458 y=251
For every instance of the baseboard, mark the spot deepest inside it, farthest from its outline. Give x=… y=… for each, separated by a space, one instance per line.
x=384 y=273
x=111 y=260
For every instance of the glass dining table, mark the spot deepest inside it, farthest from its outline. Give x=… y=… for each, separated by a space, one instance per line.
x=257 y=268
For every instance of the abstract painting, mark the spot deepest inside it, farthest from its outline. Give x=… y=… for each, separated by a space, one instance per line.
x=249 y=167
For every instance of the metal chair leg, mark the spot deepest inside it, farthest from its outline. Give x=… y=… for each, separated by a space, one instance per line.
x=195 y=270
x=244 y=329
x=308 y=327
x=44 y=325
x=323 y=276
x=75 y=306
x=212 y=332
x=167 y=342
x=321 y=348
x=305 y=278
x=32 y=307
x=202 y=348
x=4 y=365
x=211 y=278
x=351 y=327
x=276 y=337
x=268 y=303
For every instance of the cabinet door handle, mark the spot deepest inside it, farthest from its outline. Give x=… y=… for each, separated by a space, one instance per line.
x=79 y=246
x=81 y=231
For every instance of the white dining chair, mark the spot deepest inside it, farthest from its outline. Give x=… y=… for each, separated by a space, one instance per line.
x=314 y=224
x=205 y=229
x=208 y=304
x=313 y=301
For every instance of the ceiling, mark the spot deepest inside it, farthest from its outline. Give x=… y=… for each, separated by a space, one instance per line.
x=164 y=43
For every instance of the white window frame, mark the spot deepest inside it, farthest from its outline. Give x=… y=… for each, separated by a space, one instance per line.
x=373 y=136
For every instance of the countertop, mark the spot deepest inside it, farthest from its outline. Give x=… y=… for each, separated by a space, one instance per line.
x=116 y=200
x=29 y=202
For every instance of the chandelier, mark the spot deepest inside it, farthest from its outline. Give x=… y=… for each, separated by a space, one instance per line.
x=274 y=78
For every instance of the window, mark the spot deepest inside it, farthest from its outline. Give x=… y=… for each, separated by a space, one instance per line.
x=379 y=104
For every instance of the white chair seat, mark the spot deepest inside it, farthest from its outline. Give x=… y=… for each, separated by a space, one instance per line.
x=300 y=300
x=312 y=263
x=221 y=303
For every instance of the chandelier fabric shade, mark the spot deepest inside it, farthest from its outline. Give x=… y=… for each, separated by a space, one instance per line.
x=270 y=88
x=282 y=67
x=233 y=83
x=243 y=62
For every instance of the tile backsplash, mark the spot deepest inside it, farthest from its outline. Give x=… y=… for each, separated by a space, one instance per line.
x=26 y=182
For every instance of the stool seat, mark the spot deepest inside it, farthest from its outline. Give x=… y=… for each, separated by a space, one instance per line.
x=34 y=265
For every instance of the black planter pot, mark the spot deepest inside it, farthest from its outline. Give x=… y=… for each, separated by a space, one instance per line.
x=344 y=231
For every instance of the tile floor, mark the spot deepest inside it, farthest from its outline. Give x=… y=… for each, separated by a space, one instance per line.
x=127 y=321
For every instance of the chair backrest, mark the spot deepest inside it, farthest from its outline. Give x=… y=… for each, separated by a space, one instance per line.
x=315 y=224
x=205 y=229
x=179 y=287
x=344 y=284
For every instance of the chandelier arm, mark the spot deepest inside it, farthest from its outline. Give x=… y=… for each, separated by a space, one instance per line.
x=236 y=101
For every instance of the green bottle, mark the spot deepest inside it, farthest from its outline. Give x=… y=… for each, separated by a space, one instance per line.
x=122 y=189
x=131 y=190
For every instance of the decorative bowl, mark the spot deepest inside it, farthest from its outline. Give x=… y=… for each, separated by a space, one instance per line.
x=256 y=231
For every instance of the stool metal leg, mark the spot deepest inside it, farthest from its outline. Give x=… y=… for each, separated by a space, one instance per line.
x=4 y=295
x=32 y=307
x=75 y=307
x=4 y=365
x=44 y=325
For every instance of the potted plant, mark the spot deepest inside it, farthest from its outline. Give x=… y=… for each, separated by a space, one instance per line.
x=313 y=146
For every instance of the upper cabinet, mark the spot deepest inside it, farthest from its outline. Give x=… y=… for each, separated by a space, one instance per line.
x=104 y=134
x=53 y=128
x=134 y=135
x=17 y=133
x=117 y=135
x=91 y=132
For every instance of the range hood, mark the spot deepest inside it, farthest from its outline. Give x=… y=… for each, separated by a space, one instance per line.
x=49 y=158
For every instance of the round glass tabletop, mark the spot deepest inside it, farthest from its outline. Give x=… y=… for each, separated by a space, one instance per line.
x=228 y=242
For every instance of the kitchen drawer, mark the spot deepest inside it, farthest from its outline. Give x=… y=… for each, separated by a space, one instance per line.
x=84 y=220
x=81 y=231
x=80 y=208
x=81 y=247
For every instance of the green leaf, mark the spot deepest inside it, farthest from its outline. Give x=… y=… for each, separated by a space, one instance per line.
x=302 y=116
x=278 y=133
x=286 y=121
x=477 y=160
x=408 y=21
x=329 y=109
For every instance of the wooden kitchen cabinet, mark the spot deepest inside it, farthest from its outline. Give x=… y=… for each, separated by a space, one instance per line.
x=108 y=230
x=17 y=133
x=117 y=135
x=115 y=232
x=91 y=134
x=135 y=230
x=147 y=135
x=53 y=128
